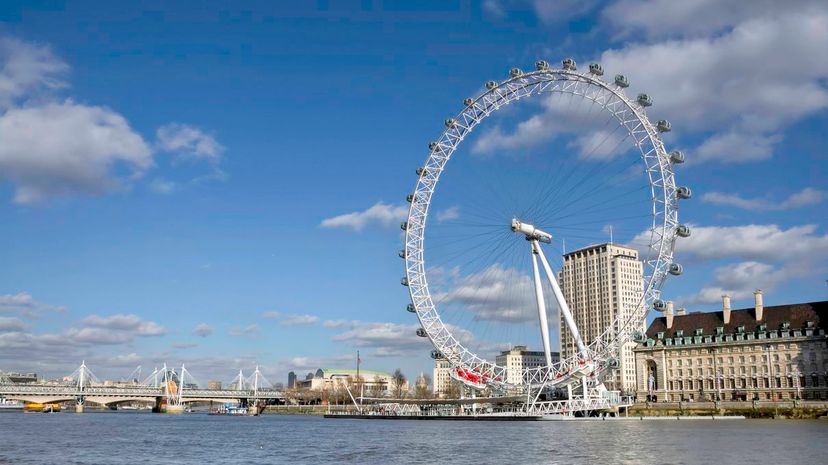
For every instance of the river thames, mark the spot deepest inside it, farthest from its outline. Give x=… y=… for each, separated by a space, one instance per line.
x=130 y=438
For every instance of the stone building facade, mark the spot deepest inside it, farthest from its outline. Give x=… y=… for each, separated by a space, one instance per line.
x=760 y=353
x=519 y=358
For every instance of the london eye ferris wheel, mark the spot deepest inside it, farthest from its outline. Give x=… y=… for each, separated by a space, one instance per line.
x=543 y=161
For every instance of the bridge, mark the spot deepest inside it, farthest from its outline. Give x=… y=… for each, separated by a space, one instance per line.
x=167 y=389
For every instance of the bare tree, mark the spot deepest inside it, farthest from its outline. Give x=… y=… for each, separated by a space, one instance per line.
x=399 y=381
x=421 y=390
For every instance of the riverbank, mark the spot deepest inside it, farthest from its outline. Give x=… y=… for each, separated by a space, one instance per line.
x=807 y=410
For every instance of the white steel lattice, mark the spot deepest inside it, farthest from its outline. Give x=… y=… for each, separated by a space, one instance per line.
x=659 y=171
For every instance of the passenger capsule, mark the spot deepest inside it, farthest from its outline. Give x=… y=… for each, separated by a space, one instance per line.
x=675 y=269
x=491 y=85
x=639 y=337
x=684 y=192
x=659 y=305
x=677 y=156
x=541 y=65
x=644 y=100
x=410 y=308
x=683 y=230
x=421 y=332
x=420 y=171
x=569 y=64
x=612 y=363
x=468 y=102
x=404 y=225
x=451 y=123
x=622 y=81
x=663 y=125
x=435 y=354
x=409 y=198
x=433 y=146
x=404 y=282
x=401 y=253
x=515 y=72
x=596 y=69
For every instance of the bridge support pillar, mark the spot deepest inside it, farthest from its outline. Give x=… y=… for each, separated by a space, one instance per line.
x=79 y=408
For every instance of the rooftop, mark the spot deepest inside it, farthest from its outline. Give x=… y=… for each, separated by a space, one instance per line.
x=797 y=315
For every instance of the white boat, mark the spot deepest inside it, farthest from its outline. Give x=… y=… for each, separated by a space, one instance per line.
x=6 y=404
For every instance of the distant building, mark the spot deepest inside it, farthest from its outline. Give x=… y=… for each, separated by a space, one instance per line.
x=600 y=283
x=20 y=377
x=374 y=383
x=761 y=353
x=441 y=379
x=291 y=380
x=214 y=385
x=519 y=358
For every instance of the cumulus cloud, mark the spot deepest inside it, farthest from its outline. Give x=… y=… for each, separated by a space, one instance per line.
x=8 y=324
x=806 y=197
x=739 y=281
x=299 y=320
x=250 y=331
x=382 y=214
x=202 y=330
x=721 y=85
x=26 y=68
x=496 y=293
x=63 y=148
x=451 y=213
x=125 y=322
x=271 y=315
x=755 y=242
x=386 y=339
x=24 y=304
x=188 y=140
x=55 y=147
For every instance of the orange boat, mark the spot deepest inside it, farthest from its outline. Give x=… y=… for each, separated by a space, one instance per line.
x=38 y=407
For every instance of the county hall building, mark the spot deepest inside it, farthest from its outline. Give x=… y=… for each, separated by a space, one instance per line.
x=760 y=353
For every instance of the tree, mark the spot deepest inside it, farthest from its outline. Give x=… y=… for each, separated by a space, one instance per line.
x=453 y=390
x=399 y=381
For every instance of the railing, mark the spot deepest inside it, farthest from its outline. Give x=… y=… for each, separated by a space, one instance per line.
x=137 y=391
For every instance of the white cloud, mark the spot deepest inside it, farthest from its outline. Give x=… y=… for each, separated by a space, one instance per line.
x=54 y=147
x=496 y=293
x=8 y=324
x=667 y=18
x=383 y=214
x=386 y=339
x=62 y=148
x=722 y=86
x=299 y=320
x=753 y=243
x=741 y=279
x=251 y=331
x=202 y=330
x=162 y=186
x=24 y=304
x=188 y=140
x=334 y=323
x=451 y=213
x=806 y=197
x=271 y=315
x=27 y=68
x=123 y=322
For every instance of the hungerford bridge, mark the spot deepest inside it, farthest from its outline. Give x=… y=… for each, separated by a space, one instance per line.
x=166 y=389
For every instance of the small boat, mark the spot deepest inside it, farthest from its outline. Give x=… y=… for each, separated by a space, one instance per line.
x=6 y=404
x=229 y=410
x=42 y=408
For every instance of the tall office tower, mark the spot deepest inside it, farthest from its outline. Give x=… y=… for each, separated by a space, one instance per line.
x=599 y=283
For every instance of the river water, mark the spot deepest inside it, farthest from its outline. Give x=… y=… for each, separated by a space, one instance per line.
x=145 y=438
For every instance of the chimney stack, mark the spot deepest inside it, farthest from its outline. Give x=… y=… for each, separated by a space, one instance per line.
x=681 y=312
x=668 y=313
x=757 y=303
x=726 y=308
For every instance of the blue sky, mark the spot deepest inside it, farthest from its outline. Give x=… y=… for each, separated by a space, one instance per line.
x=166 y=171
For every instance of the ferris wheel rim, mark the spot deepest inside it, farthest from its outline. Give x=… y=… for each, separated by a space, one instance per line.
x=660 y=177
